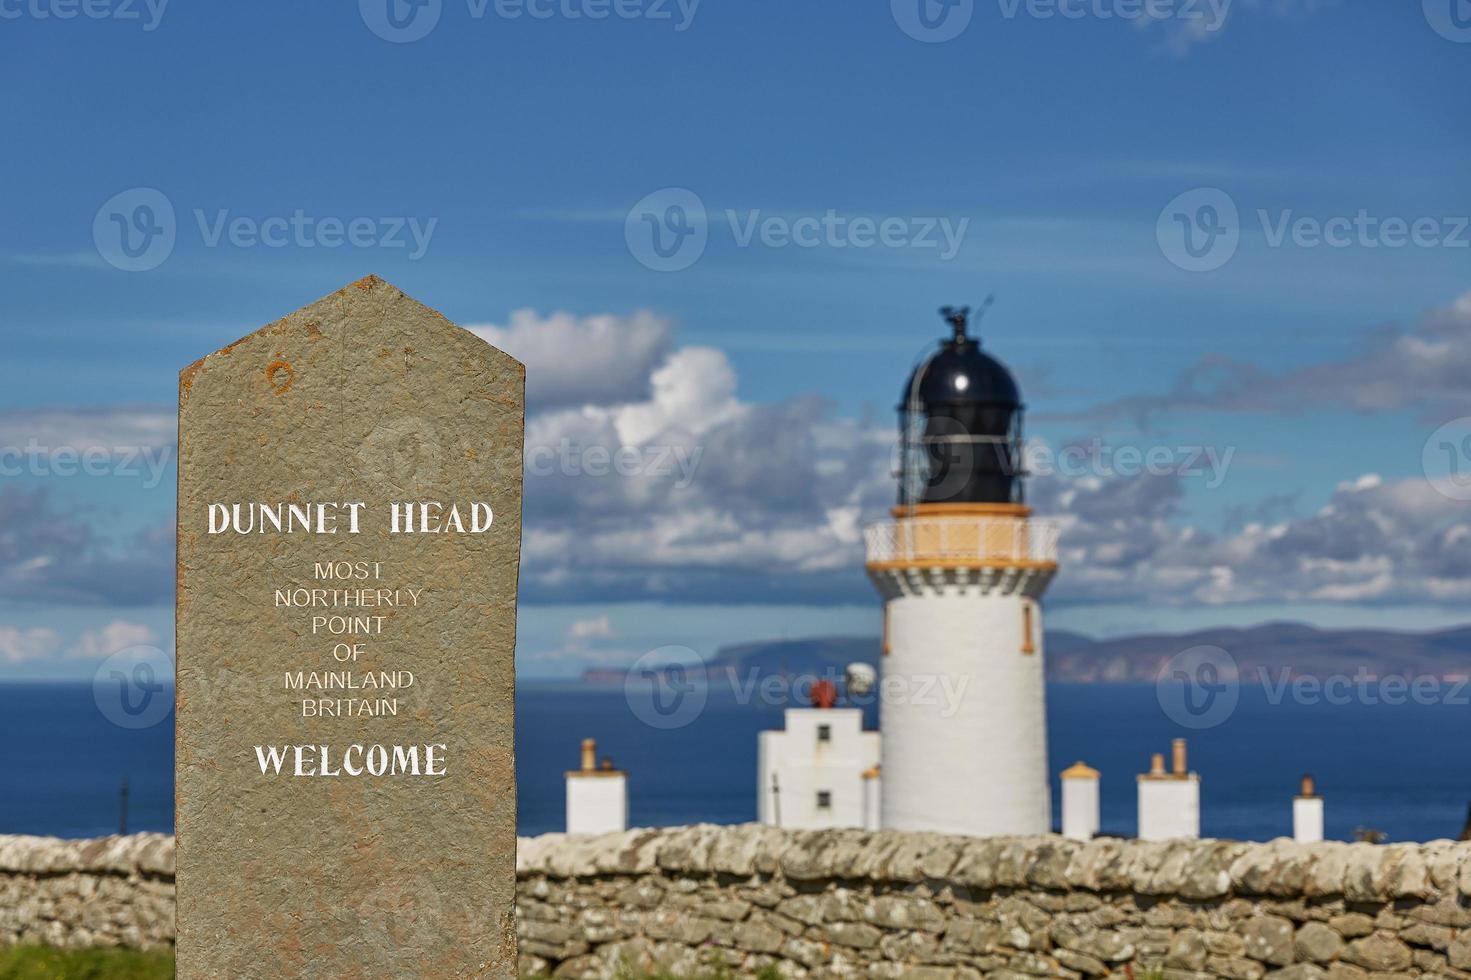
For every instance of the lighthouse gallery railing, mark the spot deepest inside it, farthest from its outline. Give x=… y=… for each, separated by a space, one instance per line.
x=966 y=540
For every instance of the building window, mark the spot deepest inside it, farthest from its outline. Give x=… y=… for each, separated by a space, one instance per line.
x=1029 y=640
x=824 y=799
x=824 y=733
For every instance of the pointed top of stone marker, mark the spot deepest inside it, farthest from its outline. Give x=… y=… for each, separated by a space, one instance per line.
x=369 y=300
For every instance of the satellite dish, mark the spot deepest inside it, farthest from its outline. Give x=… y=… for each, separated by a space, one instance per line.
x=860 y=678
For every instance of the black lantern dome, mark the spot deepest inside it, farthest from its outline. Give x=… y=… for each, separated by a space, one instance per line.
x=960 y=422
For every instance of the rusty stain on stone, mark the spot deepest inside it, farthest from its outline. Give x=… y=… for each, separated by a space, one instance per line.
x=280 y=374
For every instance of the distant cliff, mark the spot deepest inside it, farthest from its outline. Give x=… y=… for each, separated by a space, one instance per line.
x=1272 y=648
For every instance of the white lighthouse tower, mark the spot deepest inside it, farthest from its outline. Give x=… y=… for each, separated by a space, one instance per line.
x=962 y=567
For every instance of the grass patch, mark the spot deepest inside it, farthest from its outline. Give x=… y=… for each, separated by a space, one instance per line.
x=45 y=963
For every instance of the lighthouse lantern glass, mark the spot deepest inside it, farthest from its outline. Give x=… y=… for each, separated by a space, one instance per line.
x=960 y=425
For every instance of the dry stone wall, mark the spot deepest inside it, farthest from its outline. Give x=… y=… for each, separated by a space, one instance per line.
x=114 y=891
x=854 y=904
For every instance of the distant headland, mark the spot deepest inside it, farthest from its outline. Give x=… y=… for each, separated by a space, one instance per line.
x=1267 y=652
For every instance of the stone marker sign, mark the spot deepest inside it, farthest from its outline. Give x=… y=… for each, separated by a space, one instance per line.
x=349 y=537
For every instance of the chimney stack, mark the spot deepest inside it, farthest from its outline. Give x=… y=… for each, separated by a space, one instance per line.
x=1307 y=814
x=597 y=798
x=1169 y=802
x=1080 y=809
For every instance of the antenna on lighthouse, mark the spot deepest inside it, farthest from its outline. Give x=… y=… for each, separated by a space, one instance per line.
x=956 y=317
x=959 y=317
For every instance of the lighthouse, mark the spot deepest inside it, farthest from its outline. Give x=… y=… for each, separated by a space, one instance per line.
x=961 y=566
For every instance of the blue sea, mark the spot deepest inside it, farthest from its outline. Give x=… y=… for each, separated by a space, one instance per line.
x=1402 y=769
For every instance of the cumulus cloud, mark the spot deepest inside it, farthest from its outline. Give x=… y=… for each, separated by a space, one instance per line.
x=596 y=360
x=127 y=441
x=1373 y=542
x=666 y=484
x=719 y=500
x=1422 y=369
x=587 y=641
x=23 y=646
x=725 y=500
x=116 y=636
x=110 y=427
x=598 y=627
x=781 y=494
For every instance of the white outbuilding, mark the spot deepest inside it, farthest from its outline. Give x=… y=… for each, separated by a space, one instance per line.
x=818 y=772
x=1169 y=802
x=597 y=795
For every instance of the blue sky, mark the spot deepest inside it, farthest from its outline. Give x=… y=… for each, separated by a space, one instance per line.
x=1057 y=148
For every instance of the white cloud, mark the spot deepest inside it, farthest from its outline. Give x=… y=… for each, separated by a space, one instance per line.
x=1375 y=541
x=597 y=360
x=586 y=641
x=776 y=506
x=693 y=391
x=112 y=428
x=115 y=636
x=598 y=627
x=1208 y=21
x=669 y=486
x=731 y=501
x=39 y=644
x=23 y=646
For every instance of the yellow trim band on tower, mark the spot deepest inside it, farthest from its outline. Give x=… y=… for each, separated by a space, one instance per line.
x=960 y=510
x=920 y=563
